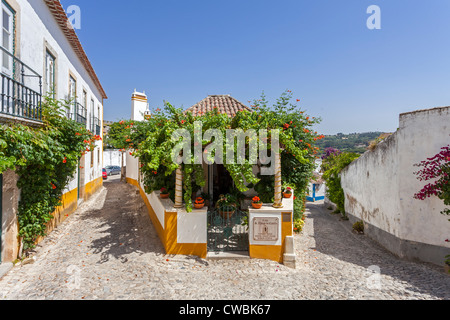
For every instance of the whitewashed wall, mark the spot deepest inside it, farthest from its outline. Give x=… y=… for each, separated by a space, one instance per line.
x=380 y=187
x=39 y=30
x=113 y=158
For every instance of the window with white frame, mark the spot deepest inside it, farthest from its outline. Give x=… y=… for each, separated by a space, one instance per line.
x=50 y=61
x=7 y=35
x=72 y=95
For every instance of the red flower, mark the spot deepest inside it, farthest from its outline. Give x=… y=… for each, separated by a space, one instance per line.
x=183 y=122
x=53 y=186
x=65 y=160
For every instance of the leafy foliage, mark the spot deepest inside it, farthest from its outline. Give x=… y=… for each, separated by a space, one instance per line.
x=332 y=167
x=151 y=141
x=354 y=142
x=45 y=159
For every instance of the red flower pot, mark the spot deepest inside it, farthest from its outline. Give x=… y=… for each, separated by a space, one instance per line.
x=164 y=196
x=199 y=205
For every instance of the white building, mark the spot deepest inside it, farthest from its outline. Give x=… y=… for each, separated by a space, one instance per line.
x=42 y=54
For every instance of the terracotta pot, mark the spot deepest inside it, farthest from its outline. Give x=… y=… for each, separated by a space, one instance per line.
x=226 y=214
x=199 y=205
x=287 y=195
x=257 y=205
x=164 y=196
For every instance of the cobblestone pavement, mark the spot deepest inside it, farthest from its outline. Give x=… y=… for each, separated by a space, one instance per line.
x=108 y=249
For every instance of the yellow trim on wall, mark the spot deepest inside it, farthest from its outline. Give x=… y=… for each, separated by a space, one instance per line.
x=91 y=187
x=69 y=205
x=274 y=253
x=168 y=235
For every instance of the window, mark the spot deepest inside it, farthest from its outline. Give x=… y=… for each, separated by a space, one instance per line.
x=72 y=94
x=84 y=99
x=91 y=116
x=50 y=74
x=7 y=35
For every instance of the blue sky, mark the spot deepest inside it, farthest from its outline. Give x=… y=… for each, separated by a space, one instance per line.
x=355 y=79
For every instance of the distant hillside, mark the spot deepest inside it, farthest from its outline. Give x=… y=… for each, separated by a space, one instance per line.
x=353 y=142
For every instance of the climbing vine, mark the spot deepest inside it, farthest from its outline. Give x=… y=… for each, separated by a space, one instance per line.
x=333 y=162
x=151 y=141
x=45 y=160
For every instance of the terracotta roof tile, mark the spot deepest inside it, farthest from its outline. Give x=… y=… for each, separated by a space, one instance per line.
x=225 y=103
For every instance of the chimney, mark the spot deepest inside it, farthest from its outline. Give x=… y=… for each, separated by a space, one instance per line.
x=139 y=106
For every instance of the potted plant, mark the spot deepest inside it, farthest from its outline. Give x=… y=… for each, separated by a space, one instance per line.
x=287 y=193
x=164 y=193
x=257 y=203
x=226 y=205
x=199 y=203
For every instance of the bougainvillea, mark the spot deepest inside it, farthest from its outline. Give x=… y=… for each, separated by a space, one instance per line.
x=437 y=170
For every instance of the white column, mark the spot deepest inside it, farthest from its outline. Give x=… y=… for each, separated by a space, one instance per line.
x=179 y=189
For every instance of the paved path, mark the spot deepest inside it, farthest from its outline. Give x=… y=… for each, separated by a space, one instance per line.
x=109 y=249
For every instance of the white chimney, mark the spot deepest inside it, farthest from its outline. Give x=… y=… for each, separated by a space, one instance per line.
x=139 y=106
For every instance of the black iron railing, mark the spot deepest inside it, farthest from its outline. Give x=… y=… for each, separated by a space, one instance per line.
x=19 y=99
x=95 y=125
x=78 y=113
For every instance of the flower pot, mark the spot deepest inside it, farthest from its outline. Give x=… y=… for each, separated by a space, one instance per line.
x=227 y=214
x=164 y=196
x=257 y=205
x=199 y=205
x=287 y=195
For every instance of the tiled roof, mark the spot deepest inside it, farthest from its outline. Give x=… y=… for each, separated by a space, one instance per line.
x=225 y=103
x=61 y=18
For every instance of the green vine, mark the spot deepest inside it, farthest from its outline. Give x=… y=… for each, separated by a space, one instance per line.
x=45 y=160
x=151 y=141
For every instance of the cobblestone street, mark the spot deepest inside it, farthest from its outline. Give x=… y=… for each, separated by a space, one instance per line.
x=108 y=249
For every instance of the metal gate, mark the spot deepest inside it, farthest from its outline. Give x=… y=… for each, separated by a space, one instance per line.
x=227 y=229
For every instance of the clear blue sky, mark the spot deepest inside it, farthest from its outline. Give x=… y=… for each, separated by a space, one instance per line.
x=355 y=79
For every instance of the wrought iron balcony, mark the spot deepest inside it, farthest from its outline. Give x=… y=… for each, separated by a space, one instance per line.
x=95 y=126
x=78 y=113
x=19 y=99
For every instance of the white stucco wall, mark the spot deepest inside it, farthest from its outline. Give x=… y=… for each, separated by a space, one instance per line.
x=380 y=186
x=38 y=32
x=113 y=158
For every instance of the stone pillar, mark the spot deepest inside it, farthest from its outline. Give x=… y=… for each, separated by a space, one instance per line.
x=278 y=203
x=289 y=252
x=179 y=189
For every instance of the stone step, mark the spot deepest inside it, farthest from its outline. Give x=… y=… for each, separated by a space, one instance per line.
x=237 y=255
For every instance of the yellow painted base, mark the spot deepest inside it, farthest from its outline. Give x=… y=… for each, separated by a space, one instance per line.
x=69 y=205
x=274 y=253
x=168 y=236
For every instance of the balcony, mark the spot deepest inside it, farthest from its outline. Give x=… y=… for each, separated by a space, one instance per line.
x=21 y=91
x=95 y=126
x=78 y=113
